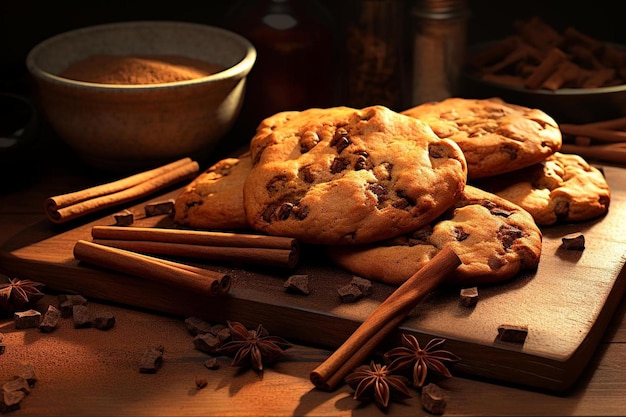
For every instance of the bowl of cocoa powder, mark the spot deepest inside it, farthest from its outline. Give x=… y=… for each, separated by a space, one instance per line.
x=133 y=95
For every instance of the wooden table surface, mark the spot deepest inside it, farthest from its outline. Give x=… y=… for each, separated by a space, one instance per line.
x=90 y=372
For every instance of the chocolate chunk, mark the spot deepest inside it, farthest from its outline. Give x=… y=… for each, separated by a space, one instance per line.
x=573 y=241
x=16 y=384
x=338 y=165
x=196 y=325
x=10 y=401
x=26 y=319
x=283 y=212
x=50 y=319
x=27 y=371
x=68 y=301
x=340 y=140
x=469 y=297
x=297 y=284
x=3 y=348
x=349 y=293
x=306 y=174
x=159 y=207
x=152 y=359
x=124 y=218
x=512 y=333
x=361 y=161
x=211 y=363
x=364 y=285
x=508 y=234
x=460 y=234
x=222 y=334
x=207 y=342
x=433 y=399
x=104 y=321
x=308 y=141
x=81 y=316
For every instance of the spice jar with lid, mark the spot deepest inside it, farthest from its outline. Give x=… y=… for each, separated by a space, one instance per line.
x=439 y=29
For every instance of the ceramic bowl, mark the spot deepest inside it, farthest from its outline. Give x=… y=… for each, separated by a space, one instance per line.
x=132 y=126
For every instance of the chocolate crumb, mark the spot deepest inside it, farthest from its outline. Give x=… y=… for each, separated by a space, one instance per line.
x=124 y=218
x=297 y=284
x=50 y=319
x=433 y=399
x=81 y=316
x=152 y=359
x=201 y=382
x=26 y=319
x=159 y=207
x=512 y=333
x=104 y=321
x=212 y=363
x=469 y=297
x=349 y=293
x=573 y=241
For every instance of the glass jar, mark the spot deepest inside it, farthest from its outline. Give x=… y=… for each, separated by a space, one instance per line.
x=439 y=29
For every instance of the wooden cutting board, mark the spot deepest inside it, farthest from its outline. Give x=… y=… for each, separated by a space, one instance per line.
x=566 y=303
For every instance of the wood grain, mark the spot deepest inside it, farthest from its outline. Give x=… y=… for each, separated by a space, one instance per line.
x=566 y=304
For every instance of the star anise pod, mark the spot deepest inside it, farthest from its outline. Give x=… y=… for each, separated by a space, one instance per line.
x=410 y=356
x=253 y=347
x=378 y=382
x=17 y=294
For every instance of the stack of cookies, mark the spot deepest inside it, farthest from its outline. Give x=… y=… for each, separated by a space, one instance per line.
x=383 y=192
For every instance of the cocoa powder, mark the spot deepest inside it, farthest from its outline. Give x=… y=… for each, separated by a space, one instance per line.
x=138 y=69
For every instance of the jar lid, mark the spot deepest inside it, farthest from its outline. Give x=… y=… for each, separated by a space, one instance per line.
x=440 y=9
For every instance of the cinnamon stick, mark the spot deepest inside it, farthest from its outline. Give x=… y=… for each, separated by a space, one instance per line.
x=178 y=275
x=256 y=256
x=194 y=237
x=387 y=316
x=65 y=207
x=594 y=132
x=615 y=152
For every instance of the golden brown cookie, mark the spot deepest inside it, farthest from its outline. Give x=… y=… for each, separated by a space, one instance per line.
x=214 y=199
x=494 y=238
x=495 y=136
x=345 y=176
x=563 y=188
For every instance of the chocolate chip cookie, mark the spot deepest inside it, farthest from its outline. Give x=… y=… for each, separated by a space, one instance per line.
x=495 y=136
x=346 y=176
x=563 y=188
x=214 y=199
x=494 y=238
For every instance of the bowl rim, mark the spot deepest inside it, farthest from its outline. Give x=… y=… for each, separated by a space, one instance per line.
x=540 y=91
x=239 y=70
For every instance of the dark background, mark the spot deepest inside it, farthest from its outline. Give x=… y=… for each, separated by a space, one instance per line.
x=24 y=23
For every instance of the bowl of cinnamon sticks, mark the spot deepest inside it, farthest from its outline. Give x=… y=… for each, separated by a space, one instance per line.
x=129 y=96
x=570 y=75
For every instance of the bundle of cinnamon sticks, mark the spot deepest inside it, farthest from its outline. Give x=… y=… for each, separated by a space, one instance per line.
x=603 y=141
x=131 y=250
x=66 y=207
